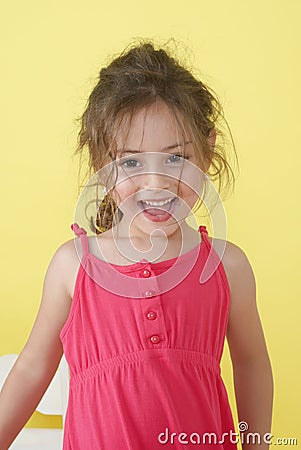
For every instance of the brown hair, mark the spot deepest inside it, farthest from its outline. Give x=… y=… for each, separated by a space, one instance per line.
x=135 y=79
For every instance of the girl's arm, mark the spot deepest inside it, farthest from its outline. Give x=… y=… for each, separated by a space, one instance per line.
x=253 y=379
x=38 y=361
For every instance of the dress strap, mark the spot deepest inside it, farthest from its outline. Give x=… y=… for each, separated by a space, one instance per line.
x=204 y=232
x=202 y=228
x=81 y=232
x=213 y=259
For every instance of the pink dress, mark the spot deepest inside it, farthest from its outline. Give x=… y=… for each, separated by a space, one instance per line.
x=144 y=354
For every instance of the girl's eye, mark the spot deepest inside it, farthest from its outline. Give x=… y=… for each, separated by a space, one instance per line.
x=177 y=157
x=129 y=163
x=133 y=163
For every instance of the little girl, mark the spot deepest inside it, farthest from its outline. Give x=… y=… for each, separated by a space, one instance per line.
x=142 y=333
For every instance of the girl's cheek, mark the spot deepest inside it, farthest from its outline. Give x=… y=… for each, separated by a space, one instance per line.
x=122 y=192
x=186 y=191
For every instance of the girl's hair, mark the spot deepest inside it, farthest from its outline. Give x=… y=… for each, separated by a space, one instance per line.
x=135 y=79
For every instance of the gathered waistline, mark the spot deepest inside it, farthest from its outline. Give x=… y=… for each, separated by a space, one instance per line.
x=146 y=355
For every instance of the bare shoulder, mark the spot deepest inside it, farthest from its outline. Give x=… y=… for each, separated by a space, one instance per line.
x=245 y=334
x=236 y=264
x=67 y=261
x=69 y=255
x=44 y=343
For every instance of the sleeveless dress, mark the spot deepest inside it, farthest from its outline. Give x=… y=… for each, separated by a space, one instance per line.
x=144 y=359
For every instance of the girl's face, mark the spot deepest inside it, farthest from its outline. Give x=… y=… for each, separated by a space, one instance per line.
x=151 y=169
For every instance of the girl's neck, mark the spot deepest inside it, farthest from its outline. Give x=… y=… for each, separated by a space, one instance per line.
x=139 y=245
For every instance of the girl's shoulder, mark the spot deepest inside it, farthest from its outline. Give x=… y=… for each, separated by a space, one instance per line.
x=234 y=260
x=70 y=254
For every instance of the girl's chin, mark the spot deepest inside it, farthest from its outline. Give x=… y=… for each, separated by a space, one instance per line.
x=147 y=224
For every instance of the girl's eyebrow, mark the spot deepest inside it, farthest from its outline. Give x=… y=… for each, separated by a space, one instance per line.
x=127 y=150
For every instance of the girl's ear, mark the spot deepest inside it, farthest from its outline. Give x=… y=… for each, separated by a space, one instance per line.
x=212 y=138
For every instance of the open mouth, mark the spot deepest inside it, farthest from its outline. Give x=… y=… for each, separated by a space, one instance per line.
x=158 y=207
x=158 y=211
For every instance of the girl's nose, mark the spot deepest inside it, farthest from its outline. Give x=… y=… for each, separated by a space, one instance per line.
x=155 y=180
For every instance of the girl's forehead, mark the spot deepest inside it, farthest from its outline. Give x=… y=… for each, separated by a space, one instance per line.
x=152 y=127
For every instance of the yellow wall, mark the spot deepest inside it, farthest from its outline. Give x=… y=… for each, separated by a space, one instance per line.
x=249 y=52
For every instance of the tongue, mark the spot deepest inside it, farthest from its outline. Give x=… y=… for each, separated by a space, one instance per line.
x=155 y=211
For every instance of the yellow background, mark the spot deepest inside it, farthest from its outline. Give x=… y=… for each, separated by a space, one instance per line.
x=249 y=52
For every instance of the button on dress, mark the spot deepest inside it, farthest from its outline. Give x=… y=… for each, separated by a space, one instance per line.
x=143 y=343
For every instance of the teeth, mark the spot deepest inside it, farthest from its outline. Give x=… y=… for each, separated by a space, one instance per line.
x=158 y=203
